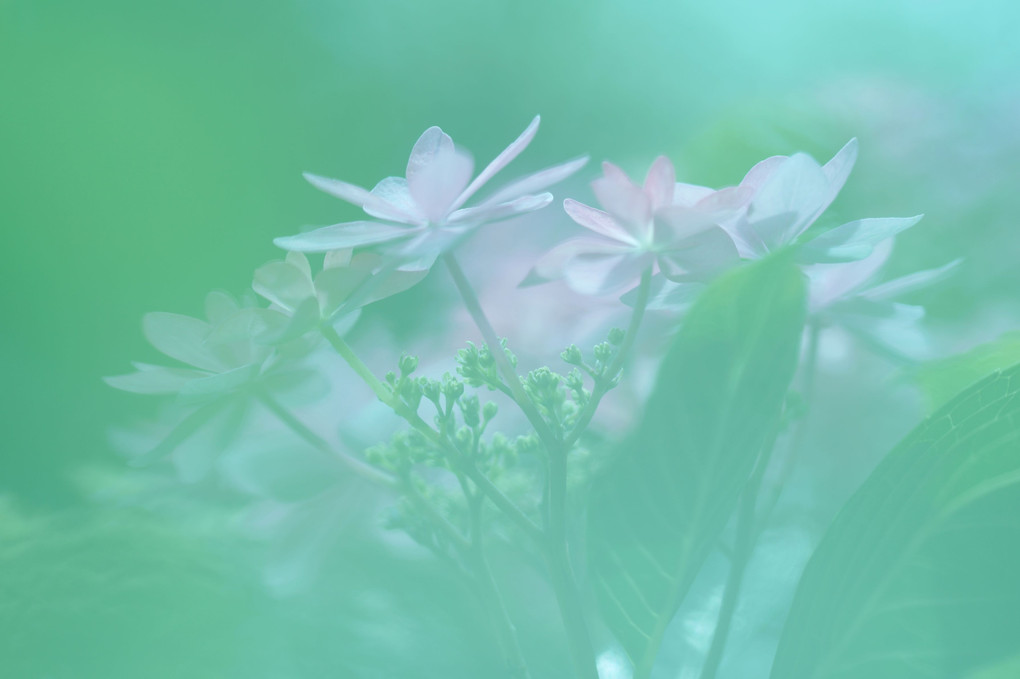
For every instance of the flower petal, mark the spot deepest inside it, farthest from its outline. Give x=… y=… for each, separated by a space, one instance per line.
x=181 y=337
x=437 y=173
x=700 y=256
x=798 y=188
x=484 y=214
x=220 y=305
x=686 y=195
x=838 y=169
x=400 y=206
x=762 y=171
x=910 y=283
x=831 y=282
x=537 y=181
x=660 y=182
x=374 y=205
x=591 y=274
x=154 y=379
x=345 y=235
x=499 y=162
x=552 y=265
x=621 y=198
x=854 y=240
x=598 y=221
x=283 y=284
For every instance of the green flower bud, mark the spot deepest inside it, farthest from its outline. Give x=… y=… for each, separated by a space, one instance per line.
x=408 y=364
x=572 y=355
x=616 y=336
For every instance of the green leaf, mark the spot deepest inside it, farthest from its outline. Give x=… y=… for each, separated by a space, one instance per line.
x=941 y=380
x=917 y=576
x=659 y=510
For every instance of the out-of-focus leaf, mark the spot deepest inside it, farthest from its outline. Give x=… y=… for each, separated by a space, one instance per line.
x=917 y=576
x=941 y=380
x=658 y=511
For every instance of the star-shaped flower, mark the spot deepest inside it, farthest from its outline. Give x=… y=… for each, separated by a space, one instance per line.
x=423 y=214
x=334 y=295
x=845 y=295
x=790 y=194
x=661 y=224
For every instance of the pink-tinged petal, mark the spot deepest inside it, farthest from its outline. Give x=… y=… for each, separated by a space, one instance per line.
x=499 y=162
x=399 y=205
x=552 y=265
x=700 y=257
x=749 y=243
x=853 y=241
x=911 y=283
x=832 y=282
x=598 y=221
x=674 y=224
x=346 y=235
x=485 y=214
x=660 y=182
x=725 y=202
x=437 y=173
x=798 y=188
x=621 y=198
x=762 y=171
x=591 y=274
x=372 y=204
x=838 y=169
x=537 y=181
x=687 y=195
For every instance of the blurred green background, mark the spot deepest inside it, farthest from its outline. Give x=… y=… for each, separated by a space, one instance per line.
x=150 y=152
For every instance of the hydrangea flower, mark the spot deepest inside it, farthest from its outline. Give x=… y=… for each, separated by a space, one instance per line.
x=661 y=224
x=790 y=194
x=346 y=283
x=225 y=352
x=845 y=295
x=228 y=360
x=422 y=214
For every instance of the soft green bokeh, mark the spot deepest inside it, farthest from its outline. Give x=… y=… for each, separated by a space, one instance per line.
x=149 y=152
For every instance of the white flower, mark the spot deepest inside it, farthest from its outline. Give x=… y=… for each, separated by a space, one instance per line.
x=335 y=294
x=790 y=194
x=671 y=227
x=423 y=214
x=845 y=295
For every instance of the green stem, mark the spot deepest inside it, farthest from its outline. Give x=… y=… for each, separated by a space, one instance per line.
x=603 y=385
x=517 y=667
x=797 y=442
x=521 y=397
x=505 y=504
x=361 y=467
x=746 y=539
x=561 y=574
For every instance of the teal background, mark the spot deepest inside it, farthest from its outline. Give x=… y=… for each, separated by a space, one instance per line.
x=150 y=152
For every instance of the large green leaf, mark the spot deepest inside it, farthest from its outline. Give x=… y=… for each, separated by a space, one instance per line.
x=658 y=511
x=918 y=575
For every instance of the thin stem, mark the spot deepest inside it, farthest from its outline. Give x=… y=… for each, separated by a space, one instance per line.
x=344 y=349
x=361 y=467
x=521 y=397
x=746 y=539
x=505 y=504
x=448 y=529
x=738 y=565
x=603 y=385
x=797 y=442
x=562 y=576
x=517 y=667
